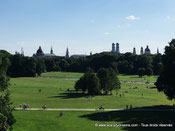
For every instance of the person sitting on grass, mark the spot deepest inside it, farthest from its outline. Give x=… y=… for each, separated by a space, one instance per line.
x=126 y=106
x=39 y=90
x=24 y=106
x=61 y=113
x=101 y=107
x=44 y=106
x=130 y=106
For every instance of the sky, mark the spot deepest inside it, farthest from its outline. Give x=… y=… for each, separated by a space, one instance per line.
x=85 y=26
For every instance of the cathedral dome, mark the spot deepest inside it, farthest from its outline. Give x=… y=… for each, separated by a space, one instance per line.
x=147 y=48
x=39 y=51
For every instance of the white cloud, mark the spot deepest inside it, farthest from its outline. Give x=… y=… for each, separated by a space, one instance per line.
x=132 y=17
x=107 y=33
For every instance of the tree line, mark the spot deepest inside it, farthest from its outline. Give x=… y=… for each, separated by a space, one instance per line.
x=127 y=63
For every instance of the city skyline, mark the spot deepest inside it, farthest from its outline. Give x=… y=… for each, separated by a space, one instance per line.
x=85 y=26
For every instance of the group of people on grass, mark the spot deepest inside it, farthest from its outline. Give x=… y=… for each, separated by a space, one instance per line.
x=24 y=106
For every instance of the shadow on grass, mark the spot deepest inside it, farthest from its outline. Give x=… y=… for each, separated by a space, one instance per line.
x=68 y=95
x=136 y=117
x=75 y=95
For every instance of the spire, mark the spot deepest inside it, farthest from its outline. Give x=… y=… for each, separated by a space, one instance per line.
x=22 y=52
x=147 y=50
x=51 y=51
x=117 y=48
x=90 y=53
x=158 y=51
x=141 y=51
x=134 y=50
x=67 y=53
x=113 y=47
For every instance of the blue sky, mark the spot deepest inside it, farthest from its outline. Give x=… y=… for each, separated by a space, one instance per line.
x=85 y=25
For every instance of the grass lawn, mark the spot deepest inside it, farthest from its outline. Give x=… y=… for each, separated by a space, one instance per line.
x=55 y=95
x=137 y=78
x=86 y=121
x=121 y=77
x=62 y=74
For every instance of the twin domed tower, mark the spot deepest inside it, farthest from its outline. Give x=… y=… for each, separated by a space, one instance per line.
x=116 y=49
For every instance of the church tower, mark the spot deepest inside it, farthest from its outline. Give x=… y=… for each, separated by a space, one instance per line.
x=147 y=51
x=90 y=53
x=67 y=53
x=158 y=51
x=51 y=51
x=117 y=48
x=141 y=51
x=113 y=47
x=22 y=51
x=134 y=51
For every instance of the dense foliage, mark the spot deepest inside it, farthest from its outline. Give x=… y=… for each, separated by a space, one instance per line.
x=105 y=81
x=127 y=63
x=166 y=80
x=6 y=117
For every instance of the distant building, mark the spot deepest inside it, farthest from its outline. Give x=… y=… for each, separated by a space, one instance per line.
x=17 y=53
x=41 y=54
x=90 y=53
x=141 y=51
x=67 y=53
x=115 y=49
x=78 y=55
x=22 y=51
x=134 y=50
x=51 y=51
x=147 y=50
x=158 y=51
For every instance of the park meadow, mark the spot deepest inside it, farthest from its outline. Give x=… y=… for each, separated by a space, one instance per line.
x=57 y=92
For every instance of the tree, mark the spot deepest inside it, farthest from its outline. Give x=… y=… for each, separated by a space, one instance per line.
x=29 y=66
x=63 y=65
x=93 y=85
x=108 y=80
x=165 y=81
x=40 y=67
x=157 y=64
x=81 y=84
x=113 y=81
x=141 y=72
x=22 y=66
x=114 y=66
x=6 y=117
x=3 y=122
x=149 y=71
x=103 y=75
x=88 y=82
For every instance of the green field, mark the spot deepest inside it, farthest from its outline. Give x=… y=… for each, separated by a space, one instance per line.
x=62 y=74
x=121 y=77
x=54 y=93
x=85 y=121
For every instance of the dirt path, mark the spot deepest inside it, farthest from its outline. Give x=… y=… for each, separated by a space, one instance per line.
x=49 y=109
